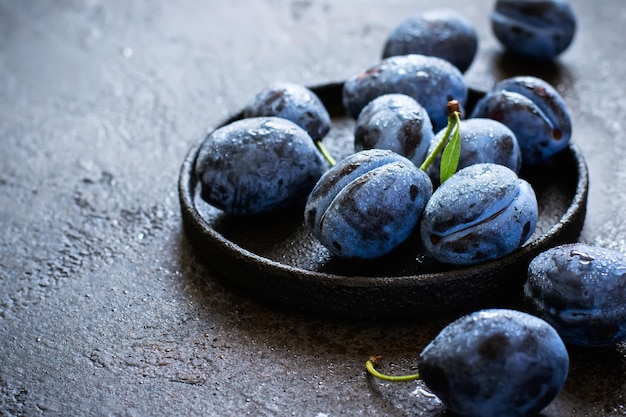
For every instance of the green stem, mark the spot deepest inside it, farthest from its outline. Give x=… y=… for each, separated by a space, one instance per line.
x=457 y=116
x=370 y=366
x=325 y=153
x=453 y=120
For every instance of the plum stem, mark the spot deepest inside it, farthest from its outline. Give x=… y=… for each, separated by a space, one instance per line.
x=454 y=118
x=370 y=365
x=325 y=153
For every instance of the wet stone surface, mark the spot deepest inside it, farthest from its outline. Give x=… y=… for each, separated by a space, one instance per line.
x=104 y=306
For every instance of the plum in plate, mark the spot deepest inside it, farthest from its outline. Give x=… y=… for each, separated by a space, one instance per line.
x=431 y=81
x=534 y=110
x=257 y=165
x=395 y=122
x=292 y=102
x=481 y=213
x=367 y=204
x=482 y=140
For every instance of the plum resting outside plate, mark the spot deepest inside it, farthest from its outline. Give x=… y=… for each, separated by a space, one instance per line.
x=395 y=122
x=482 y=140
x=538 y=30
x=580 y=289
x=442 y=33
x=292 y=102
x=257 y=165
x=431 y=81
x=495 y=362
x=534 y=111
x=482 y=212
x=367 y=204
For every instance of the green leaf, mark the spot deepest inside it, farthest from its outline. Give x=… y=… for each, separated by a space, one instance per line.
x=450 y=156
x=454 y=119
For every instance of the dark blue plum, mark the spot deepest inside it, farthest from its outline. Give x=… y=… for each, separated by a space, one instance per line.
x=367 y=204
x=581 y=290
x=534 y=111
x=292 y=102
x=257 y=165
x=495 y=362
x=431 y=81
x=395 y=122
x=534 y=29
x=442 y=33
x=482 y=140
x=482 y=212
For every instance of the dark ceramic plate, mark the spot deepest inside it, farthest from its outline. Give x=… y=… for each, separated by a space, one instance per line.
x=274 y=257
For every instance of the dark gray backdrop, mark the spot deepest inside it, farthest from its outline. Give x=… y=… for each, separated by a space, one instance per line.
x=104 y=308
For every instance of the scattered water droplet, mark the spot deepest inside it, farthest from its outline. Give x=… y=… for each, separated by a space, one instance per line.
x=584 y=258
x=421 y=391
x=127 y=52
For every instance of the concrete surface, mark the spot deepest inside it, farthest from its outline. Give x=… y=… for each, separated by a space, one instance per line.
x=104 y=308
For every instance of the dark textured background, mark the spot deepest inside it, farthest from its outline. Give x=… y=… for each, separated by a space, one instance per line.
x=105 y=309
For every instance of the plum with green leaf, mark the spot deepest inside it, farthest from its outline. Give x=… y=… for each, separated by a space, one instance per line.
x=481 y=213
x=482 y=140
x=371 y=201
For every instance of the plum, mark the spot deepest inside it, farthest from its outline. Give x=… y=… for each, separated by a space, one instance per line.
x=443 y=33
x=292 y=102
x=431 y=81
x=534 y=29
x=257 y=165
x=495 y=362
x=581 y=290
x=482 y=140
x=395 y=122
x=482 y=212
x=367 y=204
x=534 y=110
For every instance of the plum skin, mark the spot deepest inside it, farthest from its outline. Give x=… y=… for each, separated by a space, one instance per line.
x=580 y=289
x=537 y=30
x=495 y=362
x=443 y=33
x=534 y=110
x=367 y=204
x=481 y=213
x=431 y=81
x=396 y=122
x=292 y=102
x=257 y=165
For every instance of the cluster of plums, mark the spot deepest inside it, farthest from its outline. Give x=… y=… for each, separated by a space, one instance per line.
x=373 y=200
x=370 y=202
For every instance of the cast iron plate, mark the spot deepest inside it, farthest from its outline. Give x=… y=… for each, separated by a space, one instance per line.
x=275 y=258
